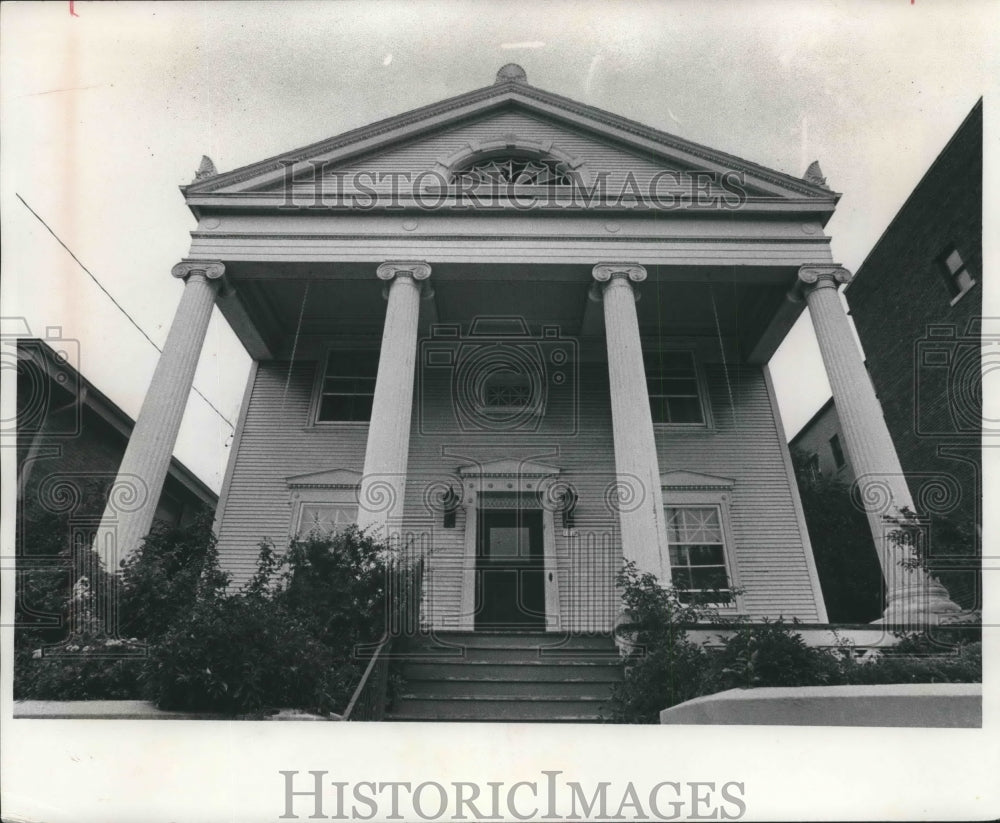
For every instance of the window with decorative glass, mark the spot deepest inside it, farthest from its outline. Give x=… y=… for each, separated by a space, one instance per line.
x=348 y=386
x=516 y=171
x=505 y=389
x=672 y=382
x=697 y=548
x=321 y=519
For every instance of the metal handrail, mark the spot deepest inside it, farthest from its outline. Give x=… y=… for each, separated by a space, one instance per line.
x=376 y=659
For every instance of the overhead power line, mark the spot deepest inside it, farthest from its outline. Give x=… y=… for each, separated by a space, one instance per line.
x=116 y=303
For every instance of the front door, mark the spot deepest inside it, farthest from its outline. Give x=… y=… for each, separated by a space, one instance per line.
x=510 y=570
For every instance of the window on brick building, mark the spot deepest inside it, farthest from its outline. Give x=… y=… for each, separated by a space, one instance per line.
x=838 y=452
x=956 y=273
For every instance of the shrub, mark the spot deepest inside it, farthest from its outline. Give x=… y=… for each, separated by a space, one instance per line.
x=768 y=654
x=918 y=659
x=296 y=635
x=239 y=653
x=662 y=666
x=173 y=568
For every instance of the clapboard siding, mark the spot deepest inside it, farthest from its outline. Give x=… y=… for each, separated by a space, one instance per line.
x=421 y=155
x=743 y=444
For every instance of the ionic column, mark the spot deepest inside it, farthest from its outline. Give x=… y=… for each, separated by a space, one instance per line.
x=132 y=502
x=643 y=525
x=380 y=501
x=913 y=597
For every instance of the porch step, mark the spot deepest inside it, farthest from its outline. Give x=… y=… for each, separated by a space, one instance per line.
x=507 y=677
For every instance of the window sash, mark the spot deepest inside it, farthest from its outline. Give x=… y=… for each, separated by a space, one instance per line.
x=347 y=390
x=326 y=518
x=673 y=388
x=697 y=550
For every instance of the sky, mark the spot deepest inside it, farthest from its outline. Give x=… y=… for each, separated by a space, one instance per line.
x=108 y=111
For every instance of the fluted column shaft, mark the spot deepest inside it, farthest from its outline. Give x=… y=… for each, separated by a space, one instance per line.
x=132 y=501
x=383 y=485
x=912 y=596
x=641 y=516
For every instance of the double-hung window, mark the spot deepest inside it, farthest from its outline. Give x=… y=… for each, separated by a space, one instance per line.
x=348 y=386
x=697 y=545
x=674 y=390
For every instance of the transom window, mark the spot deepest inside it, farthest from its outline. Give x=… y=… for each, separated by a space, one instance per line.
x=348 y=387
x=519 y=171
x=698 y=554
x=672 y=381
x=957 y=276
x=325 y=518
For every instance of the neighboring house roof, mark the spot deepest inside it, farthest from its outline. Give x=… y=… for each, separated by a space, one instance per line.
x=810 y=422
x=58 y=370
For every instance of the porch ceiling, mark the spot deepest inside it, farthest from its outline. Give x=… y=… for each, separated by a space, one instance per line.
x=307 y=305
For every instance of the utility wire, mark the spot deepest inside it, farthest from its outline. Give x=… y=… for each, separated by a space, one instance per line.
x=117 y=304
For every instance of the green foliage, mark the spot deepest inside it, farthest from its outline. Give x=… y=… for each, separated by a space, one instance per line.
x=297 y=635
x=946 y=547
x=239 y=653
x=662 y=666
x=768 y=654
x=173 y=568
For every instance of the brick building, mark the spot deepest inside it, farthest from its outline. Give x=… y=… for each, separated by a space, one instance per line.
x=917 y=307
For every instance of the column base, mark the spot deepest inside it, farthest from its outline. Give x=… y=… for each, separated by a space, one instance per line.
x=921 y=603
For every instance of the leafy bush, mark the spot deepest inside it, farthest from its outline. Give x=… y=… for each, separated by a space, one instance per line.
x=917 y=659
x=768 y=654
x=239 y=653
x=662 y=666
x=173 y=568
x=296 y=635
x=88 y=664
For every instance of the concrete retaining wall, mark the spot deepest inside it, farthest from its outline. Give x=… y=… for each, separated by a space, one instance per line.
x=943 y=705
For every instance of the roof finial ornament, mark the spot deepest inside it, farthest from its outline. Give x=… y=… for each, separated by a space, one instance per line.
x=205 y=169
x=511 y=73
x=814 y=175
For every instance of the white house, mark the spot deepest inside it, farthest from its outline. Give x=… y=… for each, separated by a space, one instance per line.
x=528 y=337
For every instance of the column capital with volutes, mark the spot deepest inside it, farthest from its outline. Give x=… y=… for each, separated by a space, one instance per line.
x=209 y=269
x=394 y=268
x=822 y=277
x=606 y=272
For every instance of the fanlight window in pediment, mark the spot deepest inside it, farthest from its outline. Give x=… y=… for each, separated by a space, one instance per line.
x=518 y=171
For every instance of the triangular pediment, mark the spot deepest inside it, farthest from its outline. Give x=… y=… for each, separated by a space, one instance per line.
x=694 y=480
x=423 y=147
x=327 y=479
x=508 y=468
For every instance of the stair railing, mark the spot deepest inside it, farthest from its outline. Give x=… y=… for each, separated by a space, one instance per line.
x=403 y=592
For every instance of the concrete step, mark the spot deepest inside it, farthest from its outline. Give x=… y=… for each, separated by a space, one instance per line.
x=606 y=671
x=508 y=654
x=505 y=687
x=498 y=708
x=546 y=641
